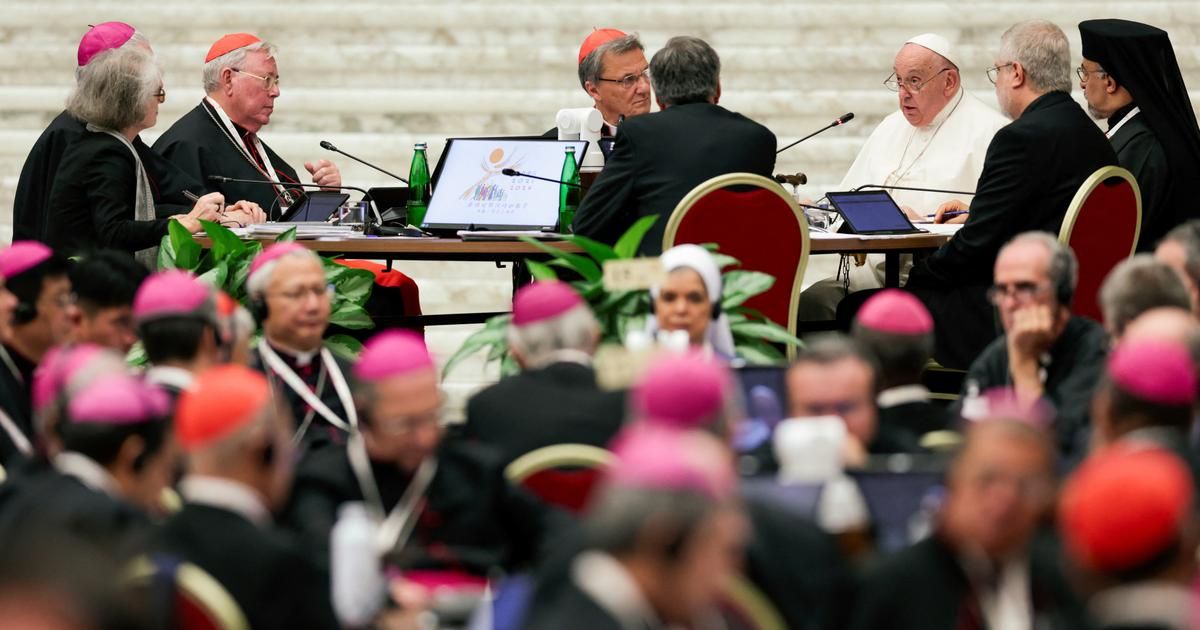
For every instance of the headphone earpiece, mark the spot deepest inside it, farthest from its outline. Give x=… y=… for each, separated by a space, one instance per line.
x=24 y=313
x=258 y=308
x=268 y=455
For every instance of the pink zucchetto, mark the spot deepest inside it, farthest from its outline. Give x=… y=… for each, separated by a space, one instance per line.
x=172 y=293
x=540 y=301
x=273 y=253
x=1155 y=371
x=66 y=369
x=102 y=37
x=22 y=256
x=392 y=353
x=896 y=312
x=682 y=390
x=662 y=458
x=117 y=399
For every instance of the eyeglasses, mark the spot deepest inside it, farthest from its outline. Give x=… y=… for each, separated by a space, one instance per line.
x=161 y=95
x=1084 y=73
x=1020 y=291
x=912 y=84
x=993 y=73
x=628 y=81
x=299 y=293
x=270 y=82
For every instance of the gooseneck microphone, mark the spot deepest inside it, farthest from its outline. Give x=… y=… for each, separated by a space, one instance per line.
x=841 y=120
x=914 y=188
x=328 y=146
x=221 y=179
x=511 y=172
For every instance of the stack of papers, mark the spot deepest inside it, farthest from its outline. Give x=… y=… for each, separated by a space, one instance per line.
x=508 y=235
x=304 y=229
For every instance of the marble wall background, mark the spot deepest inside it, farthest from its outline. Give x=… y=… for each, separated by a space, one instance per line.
x=374 y=76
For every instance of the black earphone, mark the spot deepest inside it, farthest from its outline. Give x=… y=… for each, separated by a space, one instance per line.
x=24 y=313
x=258 y=308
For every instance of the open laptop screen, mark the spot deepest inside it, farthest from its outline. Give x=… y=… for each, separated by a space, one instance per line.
x=470 y=190
x=871 y=212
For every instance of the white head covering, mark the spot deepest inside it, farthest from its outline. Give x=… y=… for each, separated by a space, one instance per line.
x=936 y=43
x=696 y=258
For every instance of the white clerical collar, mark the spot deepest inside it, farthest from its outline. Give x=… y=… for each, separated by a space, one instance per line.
x=566 y=355
x=1003 y=589
x=1148 y=603
x=225 y=494
x=88 y=471
x=904 y=394
x=301 y=357
x=603 y=579
x=170 y=376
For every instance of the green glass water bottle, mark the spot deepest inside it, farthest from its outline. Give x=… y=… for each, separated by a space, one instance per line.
x=418 y=186
x=568 y=196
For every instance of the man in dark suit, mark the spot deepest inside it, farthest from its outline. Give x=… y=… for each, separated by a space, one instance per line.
x=985 y=566
x=658 y=158
x=555 y=399
x=240 y=459
x=220 y=135
x=896 y=329
x=1033 y=168
x=464 y=515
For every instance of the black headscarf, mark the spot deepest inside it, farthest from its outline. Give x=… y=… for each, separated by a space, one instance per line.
x=1140 y=58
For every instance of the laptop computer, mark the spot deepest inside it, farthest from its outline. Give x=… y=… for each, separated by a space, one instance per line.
x=470 y=191
x=871 y=212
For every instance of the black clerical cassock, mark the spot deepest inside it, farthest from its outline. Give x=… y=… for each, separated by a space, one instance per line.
x=1156 y=137
x=204 y=142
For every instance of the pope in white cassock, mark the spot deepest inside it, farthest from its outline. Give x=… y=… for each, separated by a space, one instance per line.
x=937 y=139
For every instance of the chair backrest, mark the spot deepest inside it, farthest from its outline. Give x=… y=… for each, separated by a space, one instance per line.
x=198 y=600
x=753 y=219
x=743 y=606
x=562 y=474
x=1101 y=226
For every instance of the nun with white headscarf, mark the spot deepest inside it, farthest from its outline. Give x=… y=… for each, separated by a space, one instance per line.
x=689 y=300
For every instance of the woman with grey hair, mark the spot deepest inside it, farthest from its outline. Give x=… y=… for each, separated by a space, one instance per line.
x=109 y=192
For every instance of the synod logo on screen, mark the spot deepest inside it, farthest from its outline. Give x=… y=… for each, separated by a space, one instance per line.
x=495 y=191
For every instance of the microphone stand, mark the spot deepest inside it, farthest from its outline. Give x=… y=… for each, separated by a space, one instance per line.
x=515 y=173
x=325 y=144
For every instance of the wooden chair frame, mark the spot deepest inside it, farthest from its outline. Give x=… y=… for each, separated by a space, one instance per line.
x=196 y=584
x=1085 y=190
x=749 y=179
x=557 y=456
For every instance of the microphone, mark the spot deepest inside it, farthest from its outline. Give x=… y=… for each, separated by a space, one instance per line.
x=511 y=172
x=913 y=188
x=221 y=179
x=843 y=119
x=328 y=146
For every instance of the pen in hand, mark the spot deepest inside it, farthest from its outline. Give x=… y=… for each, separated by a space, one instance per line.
x=948 y=215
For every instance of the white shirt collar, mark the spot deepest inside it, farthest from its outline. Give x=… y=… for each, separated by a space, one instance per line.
x=170 y=376
x=226 y=494
x=301 y=357
x=895 y=396
x=603 y=579
x=88 y=471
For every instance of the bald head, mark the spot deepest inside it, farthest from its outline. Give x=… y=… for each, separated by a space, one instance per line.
x=928 y=82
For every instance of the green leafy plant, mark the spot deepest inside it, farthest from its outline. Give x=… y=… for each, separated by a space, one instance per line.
x=226 y=265
x=619 y=312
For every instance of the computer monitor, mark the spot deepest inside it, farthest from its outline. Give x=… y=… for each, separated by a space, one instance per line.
x=470 y=191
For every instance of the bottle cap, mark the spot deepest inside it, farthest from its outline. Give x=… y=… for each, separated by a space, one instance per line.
x=421 y=146
x=570 y=148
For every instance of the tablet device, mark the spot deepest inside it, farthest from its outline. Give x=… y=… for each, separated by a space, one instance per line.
x=471 y=192
x=871 y=212
x=315 y=206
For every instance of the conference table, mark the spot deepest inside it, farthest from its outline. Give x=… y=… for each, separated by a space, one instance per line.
x=514 y=253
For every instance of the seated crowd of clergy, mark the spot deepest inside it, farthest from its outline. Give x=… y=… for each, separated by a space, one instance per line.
x=318 y=491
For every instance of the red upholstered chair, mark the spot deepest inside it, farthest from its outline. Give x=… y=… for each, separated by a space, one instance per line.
x=389 y=285
x=754 y=220
x=199 y=602
x=1101 y=226
x=562 y=474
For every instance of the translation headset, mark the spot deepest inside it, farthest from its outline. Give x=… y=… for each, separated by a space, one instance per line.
x=24 y=312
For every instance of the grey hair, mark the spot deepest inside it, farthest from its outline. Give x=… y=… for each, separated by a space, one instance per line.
x=1137 y=285
x=592 y=65
x=231 y=59
x=137 y=40
x=686 y=70
x=618 y=514
x=256 y=283
x=901 y=358
x=1188 y=237
x=1064 y=268
x=540 y=343
x=1043 y=51
x=115 y=88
